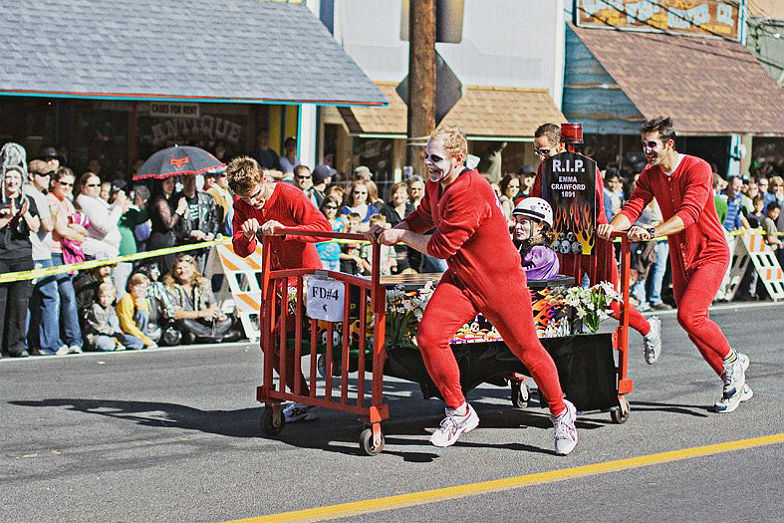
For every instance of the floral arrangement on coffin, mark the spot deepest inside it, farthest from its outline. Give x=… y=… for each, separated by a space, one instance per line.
x=592 y=304
x=404 y=312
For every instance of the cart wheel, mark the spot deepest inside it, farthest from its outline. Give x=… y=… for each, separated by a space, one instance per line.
x=366 y=443
x=269 y=424
x=520 y=395
x=621 y=414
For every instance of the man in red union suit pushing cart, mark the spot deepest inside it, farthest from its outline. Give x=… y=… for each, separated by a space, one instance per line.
x=547 y=143
x=261 y=205
x=484 y=275
x=699 y=255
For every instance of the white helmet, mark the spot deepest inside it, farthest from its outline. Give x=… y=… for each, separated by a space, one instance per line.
x=535 y=208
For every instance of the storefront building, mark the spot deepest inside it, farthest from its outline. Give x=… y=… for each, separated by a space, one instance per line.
x=115 y=83
x=625 y=64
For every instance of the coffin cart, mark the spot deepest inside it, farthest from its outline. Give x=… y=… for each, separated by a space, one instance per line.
x=342 y=324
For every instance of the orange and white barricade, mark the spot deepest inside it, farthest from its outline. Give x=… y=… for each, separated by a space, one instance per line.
x=765 y=263
x=243 y=276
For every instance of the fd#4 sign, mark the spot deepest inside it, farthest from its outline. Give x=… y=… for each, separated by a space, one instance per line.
x=325 y=299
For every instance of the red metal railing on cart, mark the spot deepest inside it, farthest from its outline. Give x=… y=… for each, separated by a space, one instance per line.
x=625 y=385
x=275 y=319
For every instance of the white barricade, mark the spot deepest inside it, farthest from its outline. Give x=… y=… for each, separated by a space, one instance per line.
x=765 y=263
x=242 y=276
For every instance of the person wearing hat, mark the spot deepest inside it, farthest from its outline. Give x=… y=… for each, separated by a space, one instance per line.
x=43 y=334
x=526 y=175
x=322 y=176
x=18 y=219
x=533 y=235
x=50 y=156
x=363 y=173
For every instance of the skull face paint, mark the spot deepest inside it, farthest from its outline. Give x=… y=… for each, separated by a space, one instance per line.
x=652 y=147
x=437 y=160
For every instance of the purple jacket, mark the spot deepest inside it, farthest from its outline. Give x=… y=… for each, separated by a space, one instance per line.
x=540 y=263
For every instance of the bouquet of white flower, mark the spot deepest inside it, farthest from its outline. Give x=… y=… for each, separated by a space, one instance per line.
x=404 y=312
x=592 y=304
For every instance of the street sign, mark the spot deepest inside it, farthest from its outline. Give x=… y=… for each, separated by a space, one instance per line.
x=449 y=89
x=569 y=184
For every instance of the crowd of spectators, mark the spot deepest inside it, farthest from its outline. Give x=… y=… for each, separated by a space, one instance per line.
x=50 y=217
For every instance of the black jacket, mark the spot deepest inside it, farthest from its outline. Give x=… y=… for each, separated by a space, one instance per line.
x=207 y=220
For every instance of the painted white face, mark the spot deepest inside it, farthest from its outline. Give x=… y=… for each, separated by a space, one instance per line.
x=653 y=147
x=437 y=160
x=526 y=228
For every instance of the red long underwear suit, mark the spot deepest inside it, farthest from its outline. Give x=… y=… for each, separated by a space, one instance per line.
x=699 y=254
x=289 y=206
x=484 y=275
x=604 y=255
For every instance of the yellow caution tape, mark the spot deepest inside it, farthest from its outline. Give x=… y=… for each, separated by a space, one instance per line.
x=50 y=271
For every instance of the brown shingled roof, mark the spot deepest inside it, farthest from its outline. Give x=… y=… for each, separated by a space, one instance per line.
x=709 y=86
x=481 y=111
x=389 y=120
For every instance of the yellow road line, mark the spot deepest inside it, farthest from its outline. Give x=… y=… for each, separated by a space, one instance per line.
x=474 y=489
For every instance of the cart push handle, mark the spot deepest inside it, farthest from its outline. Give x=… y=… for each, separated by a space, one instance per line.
x=285 y=231
x=375 y=273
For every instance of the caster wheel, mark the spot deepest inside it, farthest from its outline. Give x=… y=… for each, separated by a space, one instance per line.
x=621 y=414
x=269 y=425
x=366 y=443
x=520 y=394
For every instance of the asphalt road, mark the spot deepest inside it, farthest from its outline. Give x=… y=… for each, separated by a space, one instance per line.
x=173 y=435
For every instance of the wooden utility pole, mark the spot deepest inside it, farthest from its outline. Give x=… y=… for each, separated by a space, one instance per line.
x=421 y=79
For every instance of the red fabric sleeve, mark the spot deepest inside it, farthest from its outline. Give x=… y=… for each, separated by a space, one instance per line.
x=536 y=190
x=640 y=198
x=242 y=245
x=306 y=215
x=461 y=215
x=420 y=220
x=699 y=189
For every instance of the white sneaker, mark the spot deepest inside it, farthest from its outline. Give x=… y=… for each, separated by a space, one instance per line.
x=74 y=349
x=734 y=389
x=565 y=431
x=299 y=412
x=652 y=341
x=454 y=425
x=62 y=351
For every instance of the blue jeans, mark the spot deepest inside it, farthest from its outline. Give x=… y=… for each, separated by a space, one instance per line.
x=68 y=314
x=43 y=332
x=142 y=319
x=331 y=265
x=656 y=274
x=431 y=264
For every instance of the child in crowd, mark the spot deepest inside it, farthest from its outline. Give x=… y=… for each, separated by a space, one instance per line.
x=533 y=235
x=387 y=253
x=757 y=215
x=351 y=261
x=329 y=251
x=772 y=238
x=134 y=314
x=102 y=326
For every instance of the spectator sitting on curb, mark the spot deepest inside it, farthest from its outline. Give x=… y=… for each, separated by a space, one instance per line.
x=196 y=311
x=133 y=312
x=86 y=286
x=102 y=326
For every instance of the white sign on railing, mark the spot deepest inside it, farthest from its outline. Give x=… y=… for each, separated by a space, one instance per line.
x=325 y=299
